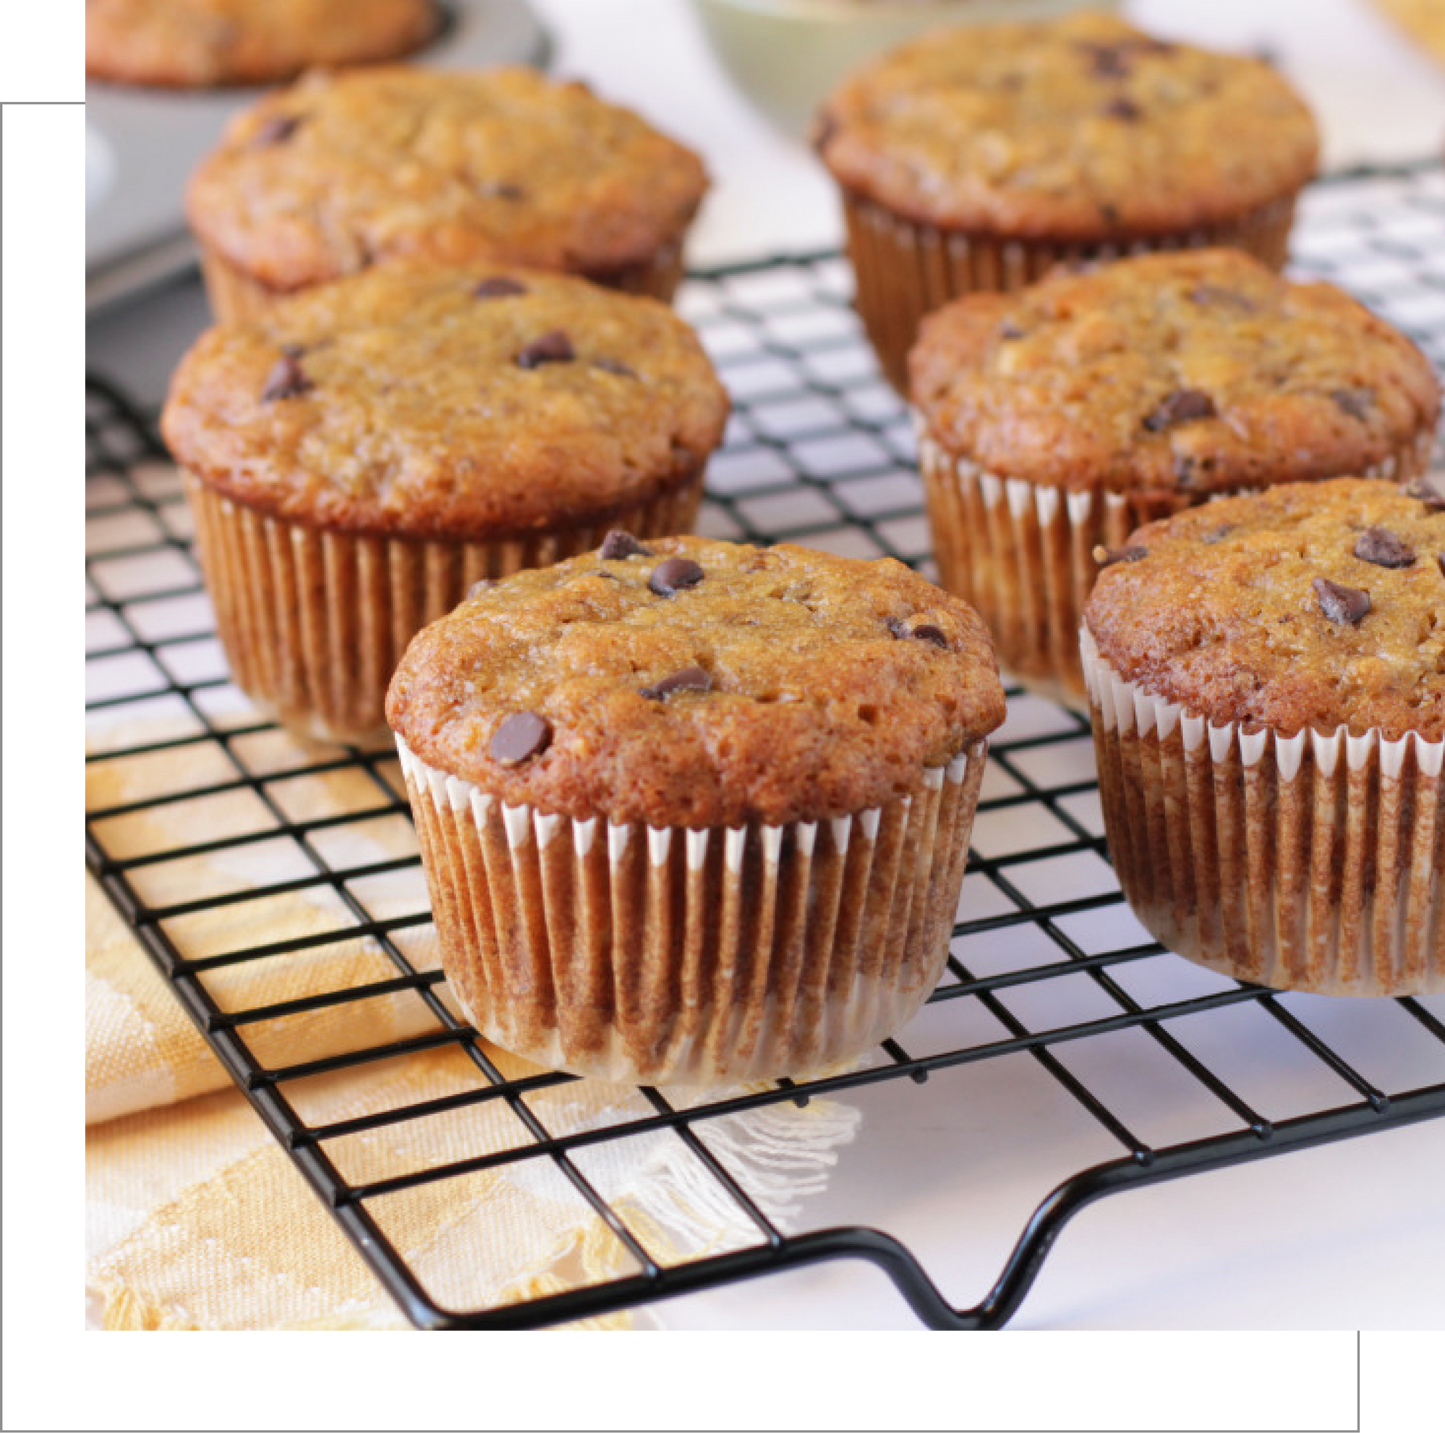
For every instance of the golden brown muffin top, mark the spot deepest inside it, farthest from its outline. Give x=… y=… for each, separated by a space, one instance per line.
x=198 y=44
x=455 y=402
x=1199 y=371
x=697 y=683
x=343 y=170
x=1079 y=128
x=1313 y=605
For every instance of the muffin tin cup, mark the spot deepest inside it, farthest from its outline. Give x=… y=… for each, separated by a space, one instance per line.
x=236 y=297
x=314 y=622
x=1309 y=861
x=904 y=269
x=1022 y=553
x=666 y=955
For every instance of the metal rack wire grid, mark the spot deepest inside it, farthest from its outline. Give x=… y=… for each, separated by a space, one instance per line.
x=1058 y=1019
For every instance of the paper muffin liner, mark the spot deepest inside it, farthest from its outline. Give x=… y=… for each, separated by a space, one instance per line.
x=314 y=622
x=1022 y=553
x=236 y=297
x=1313 y=862
x=667 y=955
x=904 y=269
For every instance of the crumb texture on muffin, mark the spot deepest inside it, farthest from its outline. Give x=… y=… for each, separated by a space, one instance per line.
x=1314 y=606
x=342 y=170
x=1191 y=372
x=198 y=44
x=1077 y=128
x=447 y=402
x=701 y=684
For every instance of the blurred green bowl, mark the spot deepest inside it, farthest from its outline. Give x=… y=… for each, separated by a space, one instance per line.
x=787 y=55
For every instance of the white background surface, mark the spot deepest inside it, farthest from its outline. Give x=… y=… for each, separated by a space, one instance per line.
x=1348 y=1236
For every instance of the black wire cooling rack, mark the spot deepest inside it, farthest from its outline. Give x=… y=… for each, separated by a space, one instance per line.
x=1046 y=967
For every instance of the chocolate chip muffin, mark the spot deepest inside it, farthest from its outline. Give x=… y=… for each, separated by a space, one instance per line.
x=978 y=158
x=205 y=44
x=693 y=811
x=1267 y=682
x=342 y=171
x=1055 y=420
x=361 y=455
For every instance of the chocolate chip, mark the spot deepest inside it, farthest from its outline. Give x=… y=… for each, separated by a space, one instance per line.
x=500 y=189
x=1217 y=534
x=1440 y=558
x=690 y=679
x=1108 y=556
x=1008 y=329
x=824 y=128
x=277 y=130
x=1429 y=489
x=481 y=585
x=1217 y=296
x=1184 y=405
x=612 y=365
x=520 y=736
x=1109 y=213
x=1122 y=107
x=1107 y=61
x=619 y=544
x=287 y=379
x=672 y=575
x=1384 y=549
x=1357 y=402
x=552 y=347
x=498 y=288
x=1345 y=605
x=924 y=632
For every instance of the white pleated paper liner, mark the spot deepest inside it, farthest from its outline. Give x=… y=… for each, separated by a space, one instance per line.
x=1022 y=553
x=314 y=622
x=655 y=955
x=1311 y=861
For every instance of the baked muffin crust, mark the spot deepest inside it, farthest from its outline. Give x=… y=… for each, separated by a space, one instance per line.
x=772 y=684
x=451 y=402
x=1192 y=372
x=205 y=43
x=343 y=170
x=1076 y=129
x=1313 y=605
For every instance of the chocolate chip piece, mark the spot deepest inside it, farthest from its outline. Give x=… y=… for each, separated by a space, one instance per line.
x=498 y=288
x=1429 y=489
x=612 y=365
x=1217 y=296
x=500 y=189
x=277 y=130
x=520 y=736
x=287 y=379
x=1357 y=402
x=1109 y=213
x=690 y=679
x=619 y=544
x=1008 y=329
x=1122 y=107
x=1384 y=549
x=824 y=128
x=1108 y=556
x=1184 y=405
x=1218 y=534
x=672 y=575
x=1107 y=61
x=1440 y=558
x=553 y=347
x=927 y=632
x=481 y=585
x=1345 y=605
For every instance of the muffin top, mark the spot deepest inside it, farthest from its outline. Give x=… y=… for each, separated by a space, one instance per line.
x=342 y=170
x=1200 y=371
x=205 y=43
x=1079 y=128
x=473 y=401
x=1313 y=605
x=698 y=683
